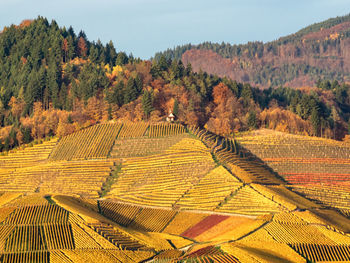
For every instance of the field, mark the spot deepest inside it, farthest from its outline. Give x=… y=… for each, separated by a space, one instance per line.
x=139 y=192
x=319 y=169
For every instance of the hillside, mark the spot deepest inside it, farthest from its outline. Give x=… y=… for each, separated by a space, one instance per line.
x=317 y=168
x=144 y=192
x=66 y=83
x=319 y=51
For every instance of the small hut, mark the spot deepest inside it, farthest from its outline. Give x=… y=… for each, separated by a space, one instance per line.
x=171 y=117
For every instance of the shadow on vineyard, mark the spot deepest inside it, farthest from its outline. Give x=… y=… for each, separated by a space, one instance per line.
x=103 y=194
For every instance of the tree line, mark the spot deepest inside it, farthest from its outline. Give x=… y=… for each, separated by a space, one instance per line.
x=65 y=83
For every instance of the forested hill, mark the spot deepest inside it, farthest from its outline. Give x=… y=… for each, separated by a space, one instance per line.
x=38 y=60
x=54 y=82
x=321 y=50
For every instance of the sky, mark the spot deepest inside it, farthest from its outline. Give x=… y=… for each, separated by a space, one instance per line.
x=144 y=27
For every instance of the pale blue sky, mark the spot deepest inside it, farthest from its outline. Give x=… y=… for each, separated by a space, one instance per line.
x=144 y=27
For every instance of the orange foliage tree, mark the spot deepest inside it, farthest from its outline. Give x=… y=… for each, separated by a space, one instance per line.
x=82 y=48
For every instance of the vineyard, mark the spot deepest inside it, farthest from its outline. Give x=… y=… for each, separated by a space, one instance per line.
x=92 y=142
x=144 y=146
x=211 y=190
x=144 y=192
x=160 y=180
x=317 y=168
x=164 y=129
x=133 y=130
x=84 y=177
x=28 y=156
x=245 y=166
x=47 y=233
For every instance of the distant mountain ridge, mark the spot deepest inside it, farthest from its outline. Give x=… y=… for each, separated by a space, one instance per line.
x=321 y=50
x=64 y=82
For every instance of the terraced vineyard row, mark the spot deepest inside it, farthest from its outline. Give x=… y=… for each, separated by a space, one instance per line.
x=190 y=224
x=290 y=233
x=249 y=201
x=242 y=164
x=318 y=253
x=40 y=256
x=118 y=238
x=16 y=199
x=35 y=215
x=131 y=147
x=210 y=191
x=90 y=143
x=84 y=177
x=133 y=130
x=314 y=242
x=166 y=129
x=71 y=240
x=256 y=247
x=317 y=168
x=209 y=254
x=337 y=197
x=138 y=217
x=162 y=179
x=47 y=234
x=98 y=256
x=29 y=156
x=36 y=228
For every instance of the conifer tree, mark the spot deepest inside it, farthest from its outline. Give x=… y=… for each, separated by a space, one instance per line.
x=252 y=122
x=176 y=107
x=122 y=59
x=130 y=91
x=315 y=120
x=147 y=103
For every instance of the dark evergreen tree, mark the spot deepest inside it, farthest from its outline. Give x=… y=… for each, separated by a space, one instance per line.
x=63 y=96
x=147 y=103
x=188 y=69
x=94 y=56
x=131 y=92
x=6 y=144
x=53 y=83
x=71 y=46
x=163 y=64
x=155 y=70
x=316 y=121
x=111 y=54
x=122 y=59
x=176 y=107
x=252 y=120
x=138 y=83
x=33 y=91
x=118 y=94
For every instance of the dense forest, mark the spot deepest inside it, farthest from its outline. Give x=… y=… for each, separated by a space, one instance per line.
x=54 y=82
x=300 y=59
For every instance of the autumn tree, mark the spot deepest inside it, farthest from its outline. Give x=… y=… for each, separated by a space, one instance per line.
x=65 y=49
x=19 y=137
x=64 y=127
x=82 y=47
x=93 y=109
x=220 y=93
x=17 y=106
